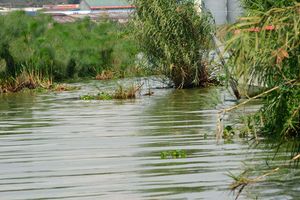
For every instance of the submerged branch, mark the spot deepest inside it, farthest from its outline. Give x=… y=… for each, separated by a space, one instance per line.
x=242 y=182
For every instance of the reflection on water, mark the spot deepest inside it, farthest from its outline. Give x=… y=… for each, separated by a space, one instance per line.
x=54 y=146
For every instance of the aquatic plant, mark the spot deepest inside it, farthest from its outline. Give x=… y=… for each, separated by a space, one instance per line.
x=175 y=38
x=126 y=93
x=99 y=96
x=121 y=92
x=24 y=80
x=173 y=154
x=228 y=133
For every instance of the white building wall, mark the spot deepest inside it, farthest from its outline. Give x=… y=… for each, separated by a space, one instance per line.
x=234 y=10
x=218 y=8
x=224 y=11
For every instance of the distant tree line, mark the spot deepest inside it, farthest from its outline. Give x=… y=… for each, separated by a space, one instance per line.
x=22 y=3
x=34 y=51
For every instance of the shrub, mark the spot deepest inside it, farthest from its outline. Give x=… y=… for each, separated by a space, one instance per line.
x=175 y=38
x=266 y=52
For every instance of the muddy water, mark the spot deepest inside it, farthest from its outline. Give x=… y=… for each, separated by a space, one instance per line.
x=55 y=146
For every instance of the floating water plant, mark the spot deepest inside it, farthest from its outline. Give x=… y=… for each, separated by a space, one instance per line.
x=228 y=133
x=173 y=154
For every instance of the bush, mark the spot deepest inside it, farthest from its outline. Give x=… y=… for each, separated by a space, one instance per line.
x=175 y=38
x=266 y=52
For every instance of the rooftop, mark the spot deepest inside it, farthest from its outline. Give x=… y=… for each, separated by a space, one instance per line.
x=107 y=4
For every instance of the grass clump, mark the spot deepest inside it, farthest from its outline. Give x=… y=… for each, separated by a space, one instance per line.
x=63 y=87
x=24 y=80
x=105 y=75
x=120 y=93
x=175 y=39
x=99 y=96
x=126 y=93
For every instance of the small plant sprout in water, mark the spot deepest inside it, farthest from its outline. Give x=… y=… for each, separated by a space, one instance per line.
x=173 y=154
x=228 y=133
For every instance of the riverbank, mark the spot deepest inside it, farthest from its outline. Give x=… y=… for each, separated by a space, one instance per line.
x=46 y=52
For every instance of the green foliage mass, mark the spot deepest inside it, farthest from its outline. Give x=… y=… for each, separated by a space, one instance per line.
x=254 y=6
x=38 y=45
x=26 y=3
x=266 y=52
x=175 y=38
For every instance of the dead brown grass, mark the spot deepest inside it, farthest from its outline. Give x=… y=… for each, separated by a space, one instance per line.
x=105 y=75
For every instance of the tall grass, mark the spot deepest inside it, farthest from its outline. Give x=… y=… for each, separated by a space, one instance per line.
x=40 y=46
x=253 y=6
x=175 y=38
x=266 y=51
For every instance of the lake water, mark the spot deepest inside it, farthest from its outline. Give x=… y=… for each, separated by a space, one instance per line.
x=55 y=146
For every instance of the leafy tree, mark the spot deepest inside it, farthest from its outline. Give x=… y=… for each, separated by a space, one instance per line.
x=175 y=39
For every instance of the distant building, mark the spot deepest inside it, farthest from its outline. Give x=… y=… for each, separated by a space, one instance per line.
x=61 y=7
x=224 y=11
x=105 y=5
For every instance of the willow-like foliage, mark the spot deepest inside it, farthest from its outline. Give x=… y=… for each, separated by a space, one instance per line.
x=175 y=38
x=253 y=6
x=266 y=52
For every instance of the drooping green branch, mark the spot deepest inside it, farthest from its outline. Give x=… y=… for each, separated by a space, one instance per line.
x=175 y=38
